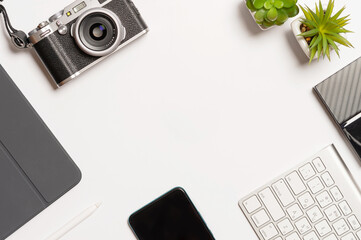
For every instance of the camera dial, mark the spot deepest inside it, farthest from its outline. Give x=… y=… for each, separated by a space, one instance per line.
x=56 y=16
x=98 y=32
x=43 y=24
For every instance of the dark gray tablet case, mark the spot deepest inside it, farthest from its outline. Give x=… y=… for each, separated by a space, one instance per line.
x=34 y=168
x=341 y=94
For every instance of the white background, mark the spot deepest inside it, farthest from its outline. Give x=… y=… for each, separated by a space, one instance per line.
x=205 y=101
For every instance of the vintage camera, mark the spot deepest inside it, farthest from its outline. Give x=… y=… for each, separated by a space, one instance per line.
x=83 y=34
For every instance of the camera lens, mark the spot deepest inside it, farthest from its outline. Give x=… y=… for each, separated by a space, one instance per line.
x=94 y=34
x=98 y=32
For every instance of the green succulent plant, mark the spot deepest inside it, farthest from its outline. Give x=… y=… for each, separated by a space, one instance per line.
x=272 y=12
x=325 y=29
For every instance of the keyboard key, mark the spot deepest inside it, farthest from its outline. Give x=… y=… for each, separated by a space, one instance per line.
x=311 y=236
x=318 y=165
x=283 y=193
x=327 y=179
x=331 y=237
x=345 y=208
x=306 y=200
x=307 y=171
x=252 y=204
x=285 y=226
x=279 y=238
x=314 y=214
x=293 y=236
x=324 y=199
x=295 y=183
x=336 y=194
x=295 y=212
x=260 y=218
x=269 y=231
x=303 y=225
x=355 y=224
x=349 y=236
x=332 y=213
x=271 y=204
x=315 y=185
x=323 y=228
x=341 y=227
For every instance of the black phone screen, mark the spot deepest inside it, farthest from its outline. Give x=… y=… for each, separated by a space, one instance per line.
x=170 y=217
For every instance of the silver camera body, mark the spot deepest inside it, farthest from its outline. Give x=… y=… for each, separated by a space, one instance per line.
x=84 y=33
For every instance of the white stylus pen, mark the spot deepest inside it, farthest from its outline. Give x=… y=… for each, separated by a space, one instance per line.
x=74 y=222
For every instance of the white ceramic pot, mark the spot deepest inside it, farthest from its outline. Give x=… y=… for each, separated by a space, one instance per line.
x=252 y=14
x=296 y=29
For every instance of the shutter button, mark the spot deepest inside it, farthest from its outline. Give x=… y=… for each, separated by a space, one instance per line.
x=63 y=29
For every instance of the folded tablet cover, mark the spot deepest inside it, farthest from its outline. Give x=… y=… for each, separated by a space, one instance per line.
x=34 y=168
x=341 y=94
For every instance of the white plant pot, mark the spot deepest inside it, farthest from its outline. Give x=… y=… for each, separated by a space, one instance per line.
x=252 y=14
x=296 y=29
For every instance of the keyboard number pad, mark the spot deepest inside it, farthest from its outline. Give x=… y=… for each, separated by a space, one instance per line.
x=306 y=204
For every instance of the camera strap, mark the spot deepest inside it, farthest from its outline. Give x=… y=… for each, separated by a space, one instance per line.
x=18 y=38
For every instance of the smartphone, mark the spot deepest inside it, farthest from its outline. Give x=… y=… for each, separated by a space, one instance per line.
x=170 y=217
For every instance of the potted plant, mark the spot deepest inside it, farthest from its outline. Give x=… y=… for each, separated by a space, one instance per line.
x=268 y=13
x=319 y=32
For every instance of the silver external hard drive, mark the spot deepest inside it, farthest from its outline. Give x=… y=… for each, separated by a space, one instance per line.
x=341 y=94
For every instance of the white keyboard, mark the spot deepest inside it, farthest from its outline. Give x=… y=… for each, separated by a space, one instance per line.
x=317 y=200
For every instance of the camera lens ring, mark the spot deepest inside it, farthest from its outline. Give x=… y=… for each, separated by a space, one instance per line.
x=113 y=20
x=97 y=32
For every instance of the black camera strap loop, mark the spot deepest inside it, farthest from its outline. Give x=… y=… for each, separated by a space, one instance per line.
x=18 y=38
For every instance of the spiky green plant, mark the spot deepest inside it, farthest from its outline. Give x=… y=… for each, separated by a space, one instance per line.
x=325 y=29
x=272 y=12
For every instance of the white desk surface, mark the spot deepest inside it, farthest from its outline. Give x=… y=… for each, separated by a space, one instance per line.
x=205 y=101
